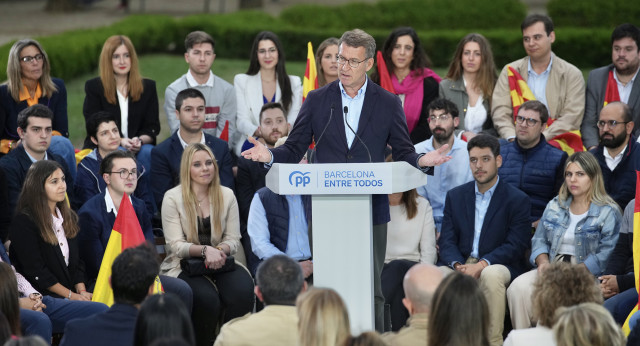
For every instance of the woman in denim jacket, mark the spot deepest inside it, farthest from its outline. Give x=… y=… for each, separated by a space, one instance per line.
x=579 y=226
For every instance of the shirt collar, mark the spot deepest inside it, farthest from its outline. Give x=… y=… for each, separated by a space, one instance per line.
x=184 y=144
x=605 y=152
x=490 y=191
x=33 y=160
x=24 y=95
x=530 y=68
x=192 y=81
x=109 y=203
x=615 y=76
x=361 y=91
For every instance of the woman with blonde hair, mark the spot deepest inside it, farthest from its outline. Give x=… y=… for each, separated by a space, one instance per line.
x=587 y=324
x=323 y=319
x=131 y=99
x=579 y=226
x=469 y=84
x=200 y=220
x=327 y=61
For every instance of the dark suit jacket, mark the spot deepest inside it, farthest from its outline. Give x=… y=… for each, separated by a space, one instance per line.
x=16 y=164
x=115 y=326
x=250 y=179
x=505 y=234
x=165 y=164
x=382 y=122
x=596 y=90
x=41 y=263
x=143 y=115
x=9 y=110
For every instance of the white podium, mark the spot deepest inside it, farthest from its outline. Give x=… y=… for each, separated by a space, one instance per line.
x=342 y=223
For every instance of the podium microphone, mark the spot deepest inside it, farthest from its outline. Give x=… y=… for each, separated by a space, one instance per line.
x=346 y=111
x=313 y=154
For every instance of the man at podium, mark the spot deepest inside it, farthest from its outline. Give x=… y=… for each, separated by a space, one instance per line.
x=359 y=119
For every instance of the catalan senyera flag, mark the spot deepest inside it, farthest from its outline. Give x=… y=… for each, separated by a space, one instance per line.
x=126 y=233
x=611 y=94
x=636 y=251
x=383 y=72
x=310 y=81
x=520 y=92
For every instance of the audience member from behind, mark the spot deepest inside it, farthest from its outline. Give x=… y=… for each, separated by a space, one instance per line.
x=411 y=239
x=165 y=172
x=327 y=61
x=587 y=324
x=615 y=82
x=121 y=91
x=34 y=128
x=279 y=281
x=200 y=220
x=132 y=278
x=443 y=120
x=33 y=340
x=367 y=339
x=103 y=132
x=29 y=83
x=163 y=316
x=220 y=97
x=469 y=85
x=560 y=285
x=420 y=283
x=413 y=81
x=459 y=313
x=266 y=81
x=323 y=318
x=529 y=162
x=579 y=226
x=5 y=329
x=9 y=299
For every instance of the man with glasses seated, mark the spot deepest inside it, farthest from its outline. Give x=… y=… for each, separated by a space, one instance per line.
x=529 y=162
x=104 y=133
x=119 y=171
x=618 y=153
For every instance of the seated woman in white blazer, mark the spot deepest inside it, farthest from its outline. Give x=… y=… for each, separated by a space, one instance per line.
x=266 y=81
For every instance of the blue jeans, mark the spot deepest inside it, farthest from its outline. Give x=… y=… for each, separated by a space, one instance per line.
x=62 y=147
x=621 y=304
x=54 y=318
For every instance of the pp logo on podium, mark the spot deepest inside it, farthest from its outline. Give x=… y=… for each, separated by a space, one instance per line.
x=297 y=178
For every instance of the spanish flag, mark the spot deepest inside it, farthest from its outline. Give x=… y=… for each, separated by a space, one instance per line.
x=126 y=233
x=520 y=92
x=383 y=72
x=569 y=142
x=636 y=251
x=310 y=81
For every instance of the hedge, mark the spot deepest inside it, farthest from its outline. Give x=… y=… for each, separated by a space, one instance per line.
x=593 y=13
x=76 y=52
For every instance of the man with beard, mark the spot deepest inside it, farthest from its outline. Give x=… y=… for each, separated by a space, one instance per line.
x=165 y=157
x=443 y=119
x=530 y=163
x=251 y=175
x=486 y=230
x=615 y=82
x=618 y=153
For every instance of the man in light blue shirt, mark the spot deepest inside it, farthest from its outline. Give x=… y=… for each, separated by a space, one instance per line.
x=443 y=119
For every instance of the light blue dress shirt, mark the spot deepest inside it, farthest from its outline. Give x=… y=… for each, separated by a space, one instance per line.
x=538 y=82
x=354 y=105
x=258 y=228
x=482 y=205
x=33 y=160
x=445 y=177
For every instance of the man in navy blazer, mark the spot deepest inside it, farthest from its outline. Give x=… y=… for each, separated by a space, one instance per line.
x=165 y=157
x=132 y=278
x=354 y=105
x=486 y=229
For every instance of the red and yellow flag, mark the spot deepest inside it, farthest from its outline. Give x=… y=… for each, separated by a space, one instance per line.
x=126 y=233
x=611 y=94
x=383 y=72
x=636 y=251
x=569 y=142
x=520 y=92
x=224 y=135
x=310 y=81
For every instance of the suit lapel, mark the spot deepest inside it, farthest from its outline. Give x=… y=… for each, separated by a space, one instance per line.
x=368 y=107
x=338 y=115
x=470 y=210
x=634 y=97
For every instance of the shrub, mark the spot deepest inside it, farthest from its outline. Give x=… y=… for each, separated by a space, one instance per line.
x=593 y=13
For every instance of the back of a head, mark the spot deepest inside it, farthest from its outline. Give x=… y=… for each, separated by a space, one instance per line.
x=420 y=284
x=163 y=316
x=32 y=340
x=323 y=319
x=587 y=324
x=132 y=273
x=367 y=339
x=458 y=305
x=280 y=280
x=561 y=285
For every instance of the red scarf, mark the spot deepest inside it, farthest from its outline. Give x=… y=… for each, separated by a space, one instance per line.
x=413 y=89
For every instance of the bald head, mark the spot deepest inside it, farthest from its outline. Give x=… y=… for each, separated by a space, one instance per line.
x=420 y=284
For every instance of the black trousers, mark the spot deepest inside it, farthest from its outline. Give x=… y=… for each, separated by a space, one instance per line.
x=379 y=250
x=392 y=277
